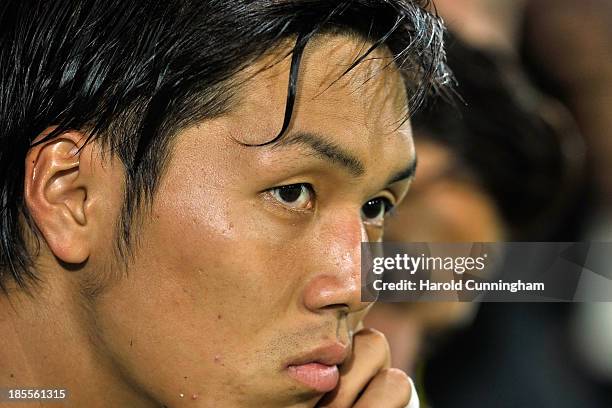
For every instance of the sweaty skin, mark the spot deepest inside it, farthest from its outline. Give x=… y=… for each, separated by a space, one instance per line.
x=233 y=281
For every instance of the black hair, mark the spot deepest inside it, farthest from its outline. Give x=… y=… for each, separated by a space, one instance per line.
x=501 y=141
x=130 y=74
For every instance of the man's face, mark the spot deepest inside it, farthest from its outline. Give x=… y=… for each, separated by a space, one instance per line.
x=236 y=283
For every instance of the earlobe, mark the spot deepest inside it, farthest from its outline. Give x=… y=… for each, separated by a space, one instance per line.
x=55 y=192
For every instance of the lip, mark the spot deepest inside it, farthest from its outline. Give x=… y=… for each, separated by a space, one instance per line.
x=318 y=369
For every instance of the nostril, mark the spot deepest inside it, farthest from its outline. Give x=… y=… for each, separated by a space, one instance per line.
x=343 y=307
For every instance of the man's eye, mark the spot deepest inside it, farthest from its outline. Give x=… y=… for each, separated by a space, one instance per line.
x=297 y=196
x=374 y=210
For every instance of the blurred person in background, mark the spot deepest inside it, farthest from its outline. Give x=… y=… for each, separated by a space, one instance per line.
x=462 y=193
x=497 y=168
x=517 y=354
x=497 y=28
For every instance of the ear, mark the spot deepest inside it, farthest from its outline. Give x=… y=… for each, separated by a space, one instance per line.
x=56 y=186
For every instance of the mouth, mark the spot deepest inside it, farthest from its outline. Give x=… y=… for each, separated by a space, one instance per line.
x=318 y=369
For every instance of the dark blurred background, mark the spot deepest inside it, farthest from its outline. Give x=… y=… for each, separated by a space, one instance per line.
x=522 y=153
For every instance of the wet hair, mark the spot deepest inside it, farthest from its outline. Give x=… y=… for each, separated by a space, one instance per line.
x=501 y=141
x=131 y=74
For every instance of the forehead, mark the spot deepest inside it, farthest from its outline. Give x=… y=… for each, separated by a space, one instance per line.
x=360 y=108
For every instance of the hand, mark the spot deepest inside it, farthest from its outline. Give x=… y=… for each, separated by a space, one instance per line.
x=366 y=379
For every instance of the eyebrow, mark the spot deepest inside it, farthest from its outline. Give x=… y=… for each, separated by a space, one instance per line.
x=341 y=157
x=327 y=150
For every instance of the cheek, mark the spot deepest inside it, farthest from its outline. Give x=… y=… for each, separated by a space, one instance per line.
x=206 y=246
x=209 y=287
x=218 y=259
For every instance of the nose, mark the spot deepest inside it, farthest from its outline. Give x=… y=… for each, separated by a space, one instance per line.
x=335 y=284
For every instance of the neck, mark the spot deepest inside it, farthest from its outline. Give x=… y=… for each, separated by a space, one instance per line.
x=46 y=343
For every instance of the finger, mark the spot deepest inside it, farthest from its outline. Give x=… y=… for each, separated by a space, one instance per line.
x=391 y=388
x=370 y=355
